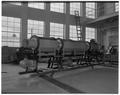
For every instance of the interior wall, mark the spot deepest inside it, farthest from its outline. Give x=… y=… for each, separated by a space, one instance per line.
x=110 y=37
x=109 y=8
x=105 y=8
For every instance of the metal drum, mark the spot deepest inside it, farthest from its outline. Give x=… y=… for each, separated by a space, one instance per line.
x=34 y=42
x=80 y=47
x=45 y=46
x=75 y=47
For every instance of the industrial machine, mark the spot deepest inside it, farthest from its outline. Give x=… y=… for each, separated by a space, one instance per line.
x=57 y=48
x=56 y=51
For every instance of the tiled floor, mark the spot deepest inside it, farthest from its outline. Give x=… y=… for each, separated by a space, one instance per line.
x=99 y=80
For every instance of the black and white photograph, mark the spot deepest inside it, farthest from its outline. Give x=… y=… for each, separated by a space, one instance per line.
x=59 y=47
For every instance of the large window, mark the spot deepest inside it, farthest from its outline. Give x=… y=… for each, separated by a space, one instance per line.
x=35 y=28
x=56 y=30
x=90 y=10
x=73 y=32
x=57 y=7
x=10 y=31
x=37 y=5
x=74 y=7
x=15 y=3
x=90 y=33
x=116 y=7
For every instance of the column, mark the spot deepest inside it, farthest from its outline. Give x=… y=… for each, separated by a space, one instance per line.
x=67 y=16
x=47 y=20
x=83 y=14
x=83 y=32
x=24 y=18
x=99 y=35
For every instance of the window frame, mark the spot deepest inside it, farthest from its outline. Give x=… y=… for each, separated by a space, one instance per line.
x=55 y=29
x=10 y=35
x=56 y=7
x=34 y=25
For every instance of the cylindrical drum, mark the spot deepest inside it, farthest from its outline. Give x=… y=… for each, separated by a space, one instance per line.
x=45 y=46
x=34 y=42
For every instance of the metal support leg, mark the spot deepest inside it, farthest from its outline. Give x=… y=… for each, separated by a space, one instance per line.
x=52 y=62
x=49 y=63
x=36 y=68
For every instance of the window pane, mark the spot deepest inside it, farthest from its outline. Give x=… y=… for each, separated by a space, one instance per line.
x=4 y=28
x=74 y=7
x=14 y=3
x=56 y=30
x=90 y=33
x=4 y=18
x=4 y=43
x=57 y=7
x=73 y=32
x=116 y=7
x=36 y=5
x=35 y=29
x=90 y=10
x=10 y=31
